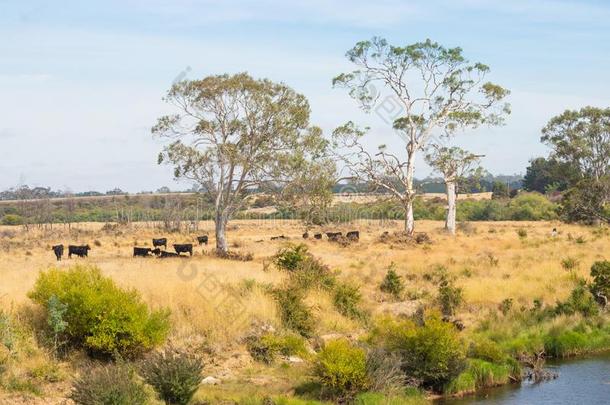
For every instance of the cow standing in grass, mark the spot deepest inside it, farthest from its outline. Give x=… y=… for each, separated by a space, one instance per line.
x=59 y=251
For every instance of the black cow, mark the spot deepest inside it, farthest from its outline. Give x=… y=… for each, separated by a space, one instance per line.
x=142 y=252
x=305 y=235
x=333 y=236
x=203 y=240
x=160 y=242
x=59 y=251
x=317 y=236
x=165 y=254
x=155 y=251
x=353 y=235
x=278 y=237
x=184 y=248
x=80 y=251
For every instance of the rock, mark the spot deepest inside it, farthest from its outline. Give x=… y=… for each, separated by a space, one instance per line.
x=295 y=359
x=210 y=381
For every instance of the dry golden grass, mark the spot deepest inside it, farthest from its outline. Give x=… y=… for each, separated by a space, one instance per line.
x=215 y=302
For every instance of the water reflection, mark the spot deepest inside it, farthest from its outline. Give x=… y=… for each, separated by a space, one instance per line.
x=584 y=382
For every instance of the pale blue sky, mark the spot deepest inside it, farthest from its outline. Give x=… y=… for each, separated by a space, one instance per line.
x=81 y=81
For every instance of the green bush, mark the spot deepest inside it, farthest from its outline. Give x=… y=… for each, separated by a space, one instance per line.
x=341 y=369
x=98 y=315
x=392 y=283
x=580 y=301
x=479 y=374
x=450 y=297
x=267 y=347
x=174 y=375
x=600 y=271
x=346 y=299
x=110 y=385
x=432 y=352
x=294 y=313
x=569 y=263
x=290 y=257
x=311 y=273
x=12 y=219
x=488 y=350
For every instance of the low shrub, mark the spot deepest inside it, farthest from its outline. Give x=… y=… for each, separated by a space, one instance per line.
x=506 y=305
x=392 y=283
x=569 y=263
x=174 y=375
x=522 y=233
x=432 y=353
x=450 y=297
x=110 y=385
x=96 y=314
x=580 y=301
x=12 y=219
x=341 y=369
x=311 y=273
x=294 y=313
x=346 y=299
x=290 y=257
x=265 y=348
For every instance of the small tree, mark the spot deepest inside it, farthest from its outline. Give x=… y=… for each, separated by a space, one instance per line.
x=437 y=92
x=454 y=164
x=236 y=134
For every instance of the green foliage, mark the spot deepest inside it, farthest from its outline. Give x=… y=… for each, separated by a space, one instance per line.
x=98 y=315
x=506 y=305
x=11 y=219
x=587 y=201
x=174 y=375
x=580 y=301
x=392 y=283
x=569 y=263
x=110 y=385
x=545 y=174
x=600 y=271
x=346 y=299
x=291 y=257
x=488 y=350
x=294 y=313
x=55 y=319
x=450 y=297
x=267 y=347
x=479 y=374
x=499 y=190
x=522 y=233
x=341 y=369
x=432 y=352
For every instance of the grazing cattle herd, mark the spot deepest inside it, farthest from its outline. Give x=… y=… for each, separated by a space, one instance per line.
x=83 y=250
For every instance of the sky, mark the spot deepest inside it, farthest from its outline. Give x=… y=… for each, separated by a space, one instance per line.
x=81 y=82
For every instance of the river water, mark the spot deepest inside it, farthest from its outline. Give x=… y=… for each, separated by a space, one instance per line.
x=584 y=381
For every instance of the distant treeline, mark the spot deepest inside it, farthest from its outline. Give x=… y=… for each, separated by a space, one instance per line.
x=176 y=210
x=428 y=185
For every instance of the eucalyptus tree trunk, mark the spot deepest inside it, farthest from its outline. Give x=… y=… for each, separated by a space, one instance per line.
x=451 y=206
x=410 y=192
x=220 y=222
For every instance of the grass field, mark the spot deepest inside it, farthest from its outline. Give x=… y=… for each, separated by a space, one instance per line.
x=215 y=302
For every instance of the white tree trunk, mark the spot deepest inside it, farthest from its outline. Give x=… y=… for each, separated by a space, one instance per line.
x=410 y=192
x=451 y=206
x=220 y=231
